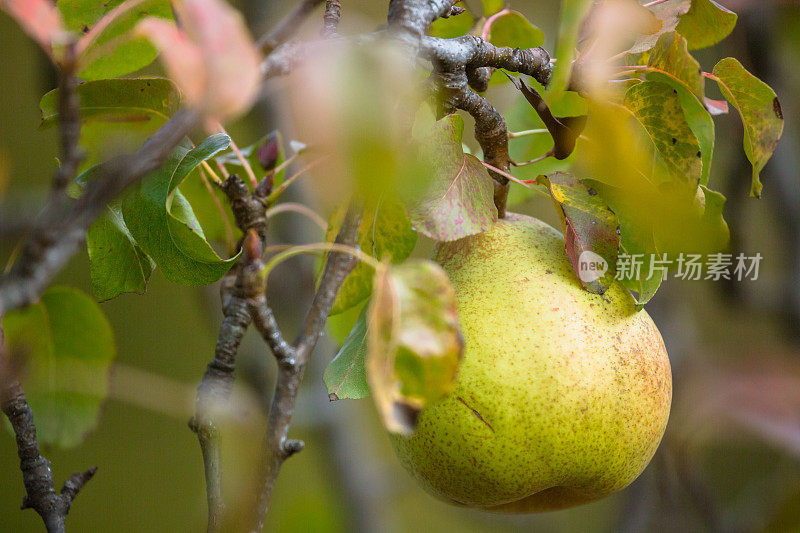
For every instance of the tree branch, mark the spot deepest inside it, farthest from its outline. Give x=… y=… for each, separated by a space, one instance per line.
x=287 y=27
x=277 y=447
x=37 y=477
x=330 y=21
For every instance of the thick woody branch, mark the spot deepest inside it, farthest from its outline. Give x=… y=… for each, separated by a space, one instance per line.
x=410 y=19
x=277 y=447
x=37 y=476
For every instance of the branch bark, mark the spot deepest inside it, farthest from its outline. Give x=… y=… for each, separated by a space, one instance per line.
x=287 y=27
x=292 y=361
x=37 y=476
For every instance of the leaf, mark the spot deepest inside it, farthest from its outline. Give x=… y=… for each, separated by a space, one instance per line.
x=117 y=115
x=573 y=13
x=39 y=19
x=346 y=375
x=699 y=119
x=459 y=200
x=706 y=23
x=414 y=344
x=490 y=7
x=67 y=345
x=657 y=107
x=453 y=26
x=670 y=56
x=760 y=110
x=212 y=59
x=116 y=263
x=109 y=48
x=132 y=100
x=669 y=13
x=163 y=224
x=386 y=234
x=564 y=130
x=512 y=29
x=591 y=230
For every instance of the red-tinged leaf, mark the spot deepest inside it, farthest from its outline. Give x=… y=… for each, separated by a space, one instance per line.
x=591 y=230
x=716 y=107
x=213 y=58
x=760 y=110
x=414 y=343
x=39 y=18
x=459 y=200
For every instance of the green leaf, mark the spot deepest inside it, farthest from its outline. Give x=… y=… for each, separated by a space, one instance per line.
x=414 y=344
x=118 y=114
x=454 y=26
x=163 y=224
x=591 y=230
x=459 y=200
x=512 y=29
x=699 y=120
x=572 y=14
x=706 y=23
x=115 y=51
x=490 y=7
x=386 y=234
x=670 y=56
x=66 y=346
x=760 y=110
x=658 y=109
x=116 y=263
x=346 y=375
x=669 y=13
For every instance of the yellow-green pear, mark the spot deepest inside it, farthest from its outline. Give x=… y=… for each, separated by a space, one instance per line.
x=562 y=396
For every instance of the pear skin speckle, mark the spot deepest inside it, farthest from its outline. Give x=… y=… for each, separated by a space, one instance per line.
x=562 y=396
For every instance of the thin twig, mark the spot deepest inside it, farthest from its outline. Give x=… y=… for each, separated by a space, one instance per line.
x=277 y=447
x=287 y=27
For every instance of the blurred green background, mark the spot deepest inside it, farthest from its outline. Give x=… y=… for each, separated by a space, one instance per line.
x=729 y=461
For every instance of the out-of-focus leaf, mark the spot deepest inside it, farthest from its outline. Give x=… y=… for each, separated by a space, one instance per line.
x=657 y=107
x=346 y=375
x=459 y=200
x=118 y=114
x=669 y=13
x=564 y=130
x=512 y=29
x=114 y=50
x=163 y=224
x=414 y=344
x=716 y=107
x=116 y=263
x=454 y=26
x=212 y=57
x=386 y=234
x=118 y=100
x=670 y=56
x=699 y=120
x=356 y=106
x=706 y=23
x=572 y=15
x=490 y=7
x=760 y=110
x=591 y=230
x=40 y=19
x=66 y=346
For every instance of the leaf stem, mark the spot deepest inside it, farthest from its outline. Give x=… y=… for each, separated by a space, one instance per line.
x=288 y=181
x=516 y=134
x=298 y=208
x=315 y=248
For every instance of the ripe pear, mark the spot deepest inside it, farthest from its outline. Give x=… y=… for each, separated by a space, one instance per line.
x=562 y=396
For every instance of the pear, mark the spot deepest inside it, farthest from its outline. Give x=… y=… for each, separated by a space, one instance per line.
x=562 y=396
